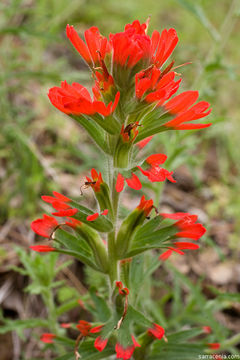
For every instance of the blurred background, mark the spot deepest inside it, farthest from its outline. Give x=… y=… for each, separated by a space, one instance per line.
x=42 y=150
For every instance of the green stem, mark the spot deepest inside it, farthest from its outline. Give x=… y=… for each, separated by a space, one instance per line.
x=112 y=260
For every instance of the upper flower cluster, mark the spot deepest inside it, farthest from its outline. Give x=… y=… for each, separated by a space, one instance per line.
x=129 y=66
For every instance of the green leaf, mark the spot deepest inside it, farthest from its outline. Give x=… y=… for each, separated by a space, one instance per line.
x=163 y=351
x=75 y=246
x=102 y=309
x=95 y=131
x=152 y=124
x=141 y=243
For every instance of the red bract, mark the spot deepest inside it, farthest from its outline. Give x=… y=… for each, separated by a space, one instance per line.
x=45 y=226
x=181 y=105
x=42 y=248
x=96 y=180
x=125 y=353
x=186 y=223
x=92 y=217
x=47 y=338
x=95 y=43
x=141 y=144
x=152 y=85
x=131 y=46
x=132 y=182
x=156 y=331
x=162 y=45
x=100 y=343
x=75 y=100
x=145 y=205
x=67 y=212
x=156 y=173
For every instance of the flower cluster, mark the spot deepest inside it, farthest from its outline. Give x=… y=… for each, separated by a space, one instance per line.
x=133 y=98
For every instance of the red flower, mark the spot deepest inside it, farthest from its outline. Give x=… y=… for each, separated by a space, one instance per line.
x=207 y=329
x=157 y=331
x=162 y=45
x=122 y=290
x=130 y=132
x=100 y=343
x=44 y=227
x=42 y=248
x=156 y=173
x=131 y=46
x=145 y=205
x=213 y=346
x=67 y=212
x=182 y=106
x=47 y=338
x=96 y=180
x=56 y=197
x=75 y=100
x=155 y=86
x=186 y=225
x=126 y=353
x=132 y=182
x=95 y=43
x=84 y=327
x=105 y=212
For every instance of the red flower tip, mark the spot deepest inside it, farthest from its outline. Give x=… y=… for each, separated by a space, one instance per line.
x=165 y=255
x=96 y=329
x=57 y=197
x=84 y=327
x=213 y=346
x=145 y=205
x=186 y=246
x=141 y=144
x=125 y=353
x=65 y=325
x=207 y=329
x=134 y=182
x=44 y=227
x=105 y=212
x=73 y=223
x=93 y=217
x=119 y=183
x=68 y=212
x=47 y=338
x=42 y=248
x=100 y=343
x=157 y=331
